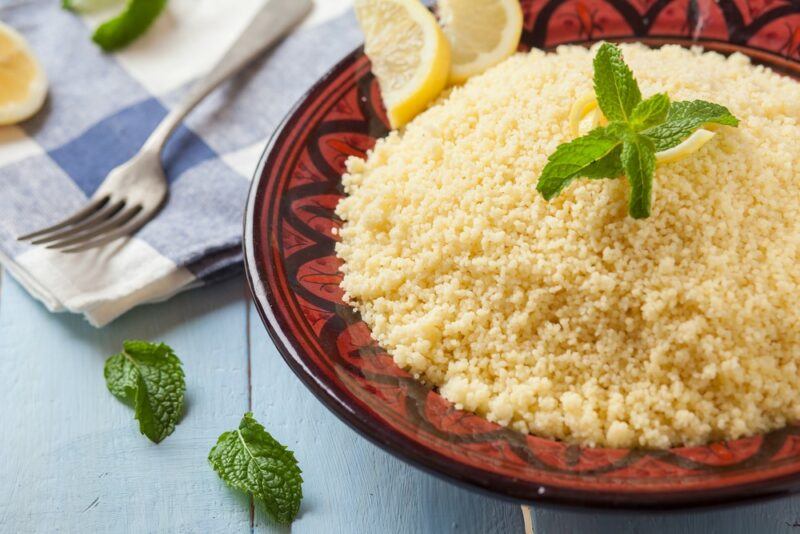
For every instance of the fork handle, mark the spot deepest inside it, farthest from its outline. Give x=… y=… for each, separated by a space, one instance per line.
x=271 y=23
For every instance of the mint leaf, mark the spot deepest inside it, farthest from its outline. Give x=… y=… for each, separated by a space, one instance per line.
x=149 y=378
x=123 y=29
x=702 y=112
x=650 y=112
x=639 y=161
x=251 y=460
x=86 y=5
x=637 y=130
x=590 y=156
x=684 y=118
x=609 y=166
x=616 y=90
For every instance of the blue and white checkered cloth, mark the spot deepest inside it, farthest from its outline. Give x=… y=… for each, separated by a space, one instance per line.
x=99 y=111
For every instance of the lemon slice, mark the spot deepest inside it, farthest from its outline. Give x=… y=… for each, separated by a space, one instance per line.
x=482 y=33
x=580 y=109
x=409 y=53
x=23 y=84
x=689 y=146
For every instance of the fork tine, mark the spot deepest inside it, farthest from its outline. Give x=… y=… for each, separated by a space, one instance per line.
x=79 y=215
x=117 y=220
x=134 y=224
x=106 y=212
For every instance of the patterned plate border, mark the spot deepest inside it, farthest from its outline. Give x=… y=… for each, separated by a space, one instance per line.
x=294 y=278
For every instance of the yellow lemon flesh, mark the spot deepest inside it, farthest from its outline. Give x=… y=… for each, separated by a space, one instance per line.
x=580 y=109
x=482 y=33
x=410 y=55
x=23 y=85
x=689 y=146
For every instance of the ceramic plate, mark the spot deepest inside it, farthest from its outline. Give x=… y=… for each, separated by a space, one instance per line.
x=294 y=276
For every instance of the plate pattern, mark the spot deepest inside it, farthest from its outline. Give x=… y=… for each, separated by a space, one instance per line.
x=293 y=271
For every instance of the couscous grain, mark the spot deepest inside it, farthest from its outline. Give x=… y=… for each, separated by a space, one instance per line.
x=570 y=319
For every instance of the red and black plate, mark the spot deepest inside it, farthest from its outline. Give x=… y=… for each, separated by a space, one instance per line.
x=294 y=276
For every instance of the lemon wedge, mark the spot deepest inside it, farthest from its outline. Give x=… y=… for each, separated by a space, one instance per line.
x=410 y=55
x=580 y=109
x=23 y=84
x=482 y=33
x=689 y=146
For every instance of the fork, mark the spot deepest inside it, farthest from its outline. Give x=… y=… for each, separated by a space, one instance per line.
x=135 y=191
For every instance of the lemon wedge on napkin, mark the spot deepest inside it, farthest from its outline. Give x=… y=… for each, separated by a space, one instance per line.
x=23 y=84
x=482 y=33
x=409 y=53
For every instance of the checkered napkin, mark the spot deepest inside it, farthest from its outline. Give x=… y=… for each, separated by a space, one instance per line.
x=99 y=111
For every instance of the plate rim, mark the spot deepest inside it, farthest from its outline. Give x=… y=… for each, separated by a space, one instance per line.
x=433 y=462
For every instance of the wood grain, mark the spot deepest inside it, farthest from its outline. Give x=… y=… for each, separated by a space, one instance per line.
x=72 y=459
x=75 y=461
x=771 y=517
x=350 y=484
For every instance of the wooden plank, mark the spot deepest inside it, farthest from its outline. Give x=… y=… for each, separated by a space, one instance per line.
x=774 y=517
x=352 y=486
x=71 y=456
x=72 y=460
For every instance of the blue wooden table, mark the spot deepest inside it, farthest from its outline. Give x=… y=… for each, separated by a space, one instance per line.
x=72 y=459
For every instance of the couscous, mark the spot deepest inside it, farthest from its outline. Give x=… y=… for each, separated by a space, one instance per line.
x=570 y=319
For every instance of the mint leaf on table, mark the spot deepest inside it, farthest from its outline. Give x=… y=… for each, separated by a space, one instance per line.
x=123 y=29
x=639 y=161
x=251 y=460
x=616 y=89
x=149 y=378
x=629 y=145
x=686 y=117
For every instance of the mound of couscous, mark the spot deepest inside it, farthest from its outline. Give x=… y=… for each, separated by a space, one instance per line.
x=570 y=319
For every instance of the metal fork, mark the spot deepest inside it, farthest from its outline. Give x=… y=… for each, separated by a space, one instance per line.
x=134 y=192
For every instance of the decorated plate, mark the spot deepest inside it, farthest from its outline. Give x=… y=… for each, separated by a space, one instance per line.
x=293 y=272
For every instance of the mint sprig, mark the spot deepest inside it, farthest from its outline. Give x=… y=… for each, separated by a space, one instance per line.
x=616 y=89
x=651 y=112
x=595 y=155
x=251 y=460
x=637 y=129
x=149 y=378
x=123 y=29
x=686 y=117
x=639 y=161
